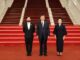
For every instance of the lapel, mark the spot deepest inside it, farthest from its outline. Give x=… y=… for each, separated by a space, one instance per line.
x=60 y=27
x=40 y=24
x=44 y=23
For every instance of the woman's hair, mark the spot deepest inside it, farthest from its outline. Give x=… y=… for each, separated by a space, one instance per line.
x=61 y=19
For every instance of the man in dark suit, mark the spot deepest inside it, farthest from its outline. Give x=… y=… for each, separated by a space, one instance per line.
x=28 y=29
x=43 y=32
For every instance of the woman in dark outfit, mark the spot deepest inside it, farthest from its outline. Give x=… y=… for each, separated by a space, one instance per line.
x=59 y=32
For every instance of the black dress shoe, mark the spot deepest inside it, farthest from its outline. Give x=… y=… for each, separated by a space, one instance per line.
x=28 y=54
x=45 y=54
x=40 y=55
x=58 y=55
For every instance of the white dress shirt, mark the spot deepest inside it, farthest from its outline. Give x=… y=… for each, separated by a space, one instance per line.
x=28 y=25
x=42 y=23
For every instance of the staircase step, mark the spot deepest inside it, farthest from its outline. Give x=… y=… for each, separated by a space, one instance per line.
x=36 y=39
x=10 y=42
x=15 y=33
x=13 y=13
x=59 y=12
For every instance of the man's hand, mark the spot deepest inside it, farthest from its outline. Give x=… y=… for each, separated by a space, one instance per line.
x=48 y=36
x=55 y=36
x=64 y=38
x=37 y=36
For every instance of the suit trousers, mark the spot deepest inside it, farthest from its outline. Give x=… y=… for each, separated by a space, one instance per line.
x=28 y=42
x=43 y=45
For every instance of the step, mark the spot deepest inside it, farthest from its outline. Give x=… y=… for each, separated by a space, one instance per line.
x=12 y=17
x=22 y=35
x=20 y=30
x=11 y=22
x=20 y=42
x=17 y=28
x=35 y=38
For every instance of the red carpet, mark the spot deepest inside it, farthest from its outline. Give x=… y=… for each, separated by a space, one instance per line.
x=18 y=52
x=14 y=34
x=12 y=37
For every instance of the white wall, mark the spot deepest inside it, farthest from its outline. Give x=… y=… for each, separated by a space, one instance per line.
x=73 y=9
x=4 y=5
x=64 y=3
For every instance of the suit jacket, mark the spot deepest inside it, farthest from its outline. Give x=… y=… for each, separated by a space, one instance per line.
x=28 y=33
x=60 y=31
x=46 y=28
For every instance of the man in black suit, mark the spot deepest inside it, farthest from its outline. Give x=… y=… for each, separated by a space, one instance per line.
x=43 y=32
x=28 y=29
